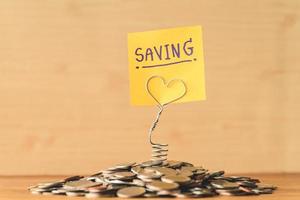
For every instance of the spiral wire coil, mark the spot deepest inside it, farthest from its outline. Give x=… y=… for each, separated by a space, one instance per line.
x=160 y=151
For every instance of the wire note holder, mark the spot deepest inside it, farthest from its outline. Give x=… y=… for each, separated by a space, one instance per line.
x=160 y=151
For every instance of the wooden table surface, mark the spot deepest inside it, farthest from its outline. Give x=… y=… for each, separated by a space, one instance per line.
x=15 y=187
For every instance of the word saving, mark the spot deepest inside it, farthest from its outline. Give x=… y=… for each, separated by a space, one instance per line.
x=165 y=52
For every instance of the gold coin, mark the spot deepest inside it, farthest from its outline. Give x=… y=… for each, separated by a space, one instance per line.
x=159 y=185
x=129 y=192
x=175 y=179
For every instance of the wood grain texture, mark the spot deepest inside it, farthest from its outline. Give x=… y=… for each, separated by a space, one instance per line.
x=64 y=98
x=14 y=188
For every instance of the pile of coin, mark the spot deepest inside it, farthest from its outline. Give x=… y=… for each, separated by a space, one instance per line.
x=154 y=179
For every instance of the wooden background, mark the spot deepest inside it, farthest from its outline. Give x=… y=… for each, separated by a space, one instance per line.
x=64 y=99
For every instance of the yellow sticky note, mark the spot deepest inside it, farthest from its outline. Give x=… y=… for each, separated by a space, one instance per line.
x=172 y=59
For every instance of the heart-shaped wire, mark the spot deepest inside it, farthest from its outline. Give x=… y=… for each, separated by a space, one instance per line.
x=167 y=84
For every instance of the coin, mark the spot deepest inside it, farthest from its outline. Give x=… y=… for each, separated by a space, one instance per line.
x=200 y=171
x=151 y=163
x=59 y=191
x=80 y=184
x=73 y=178
x=136 y=169
x=99 y=188
x=187 y=164
x=122 y=166
x=50 y=184
x=247 y=184
x=149 y=175
x=35 y=192
x=47 y=193
x=265 y=186
x=37 y=189
x=175 y=179
x=124 y=175
x=174 y=164
x=223 y=184
x=75 y=194
x=215 y=174
x=184 y=172
x=245 y=189
x=154 y=179
x=92 y=195
x=263 y=191
x=159 y=185
x=138 y=182
x=150 y=195
x=203 y=192
x=190 y=168
x=165 y=171
x=129 y=192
